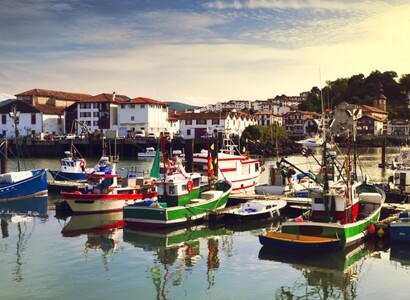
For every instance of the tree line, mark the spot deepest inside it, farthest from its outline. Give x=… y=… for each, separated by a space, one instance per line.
x=361 y=90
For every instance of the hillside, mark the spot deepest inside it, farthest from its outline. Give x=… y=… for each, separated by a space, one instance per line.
x=180 y=106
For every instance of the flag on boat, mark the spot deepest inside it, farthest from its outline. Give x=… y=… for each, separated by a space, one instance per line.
x=244 y=151
x=210 y=165
x=155 y=170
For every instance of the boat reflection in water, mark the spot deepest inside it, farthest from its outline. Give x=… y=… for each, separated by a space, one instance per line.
x=14 y=248
x=26 y=205
x=178 y=251
x=328 y=276
x=101 y=230
x=400 y=253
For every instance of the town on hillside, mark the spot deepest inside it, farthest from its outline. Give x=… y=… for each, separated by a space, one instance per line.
x=48 y=115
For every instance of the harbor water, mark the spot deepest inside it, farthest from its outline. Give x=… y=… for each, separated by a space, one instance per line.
x=49 y=257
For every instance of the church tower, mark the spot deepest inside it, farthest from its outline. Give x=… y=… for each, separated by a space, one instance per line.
x=380 y=100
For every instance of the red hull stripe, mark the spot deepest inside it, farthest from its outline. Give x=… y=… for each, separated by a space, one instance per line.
x=228 y=170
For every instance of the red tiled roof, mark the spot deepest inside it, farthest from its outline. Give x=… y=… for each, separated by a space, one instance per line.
x=108 y=97
x=373 y=109
x=143 y=100
x=48 y=109
x=55 y=94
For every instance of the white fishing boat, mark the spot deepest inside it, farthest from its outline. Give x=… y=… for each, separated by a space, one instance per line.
x=255 y=210
x=240 y=168
x=149 y=153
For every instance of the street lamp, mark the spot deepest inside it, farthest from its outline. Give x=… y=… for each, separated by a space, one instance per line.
x=15 y=115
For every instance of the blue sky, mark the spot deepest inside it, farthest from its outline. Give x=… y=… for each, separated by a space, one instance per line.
x=198 y=51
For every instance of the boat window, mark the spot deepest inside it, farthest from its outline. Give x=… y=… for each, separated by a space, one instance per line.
x=171 y=189
x=184 y=187
x=318 y=200
x=196 y=181
x=256 y=167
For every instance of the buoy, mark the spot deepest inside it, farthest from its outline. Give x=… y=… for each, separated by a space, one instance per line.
x=371 y=229
x=380 y=232
x=299 y=219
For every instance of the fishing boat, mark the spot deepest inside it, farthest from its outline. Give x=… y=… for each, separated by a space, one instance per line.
x=240 y=168
x=72 y=166
x=149 y=153
x=104 y=194
x=182 y=197
x=255 y=210
x=400 y=229
x=344 y=209
x=312 y=142
x=22 y=191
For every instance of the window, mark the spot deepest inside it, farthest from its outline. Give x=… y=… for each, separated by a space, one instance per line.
x=85 y=105
x=3 y=119
x=95 y=114
x=215 y=121
x=33 y=118
x=142 y=106
x=188 y=122
x=188 y=132
x=86 y=114
x=201 y=122
x=132 y=118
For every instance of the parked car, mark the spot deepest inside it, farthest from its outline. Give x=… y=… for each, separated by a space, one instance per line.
x=178 y=135
x=70 y=136
x=139 y=133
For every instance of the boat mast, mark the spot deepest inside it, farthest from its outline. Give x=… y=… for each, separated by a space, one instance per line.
x=15 y=115
x=324 y=155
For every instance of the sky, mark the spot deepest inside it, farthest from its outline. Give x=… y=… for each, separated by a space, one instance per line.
x=198 y=51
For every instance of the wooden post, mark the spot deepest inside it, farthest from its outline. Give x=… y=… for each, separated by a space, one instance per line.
x=3 y=154
x=189 y=152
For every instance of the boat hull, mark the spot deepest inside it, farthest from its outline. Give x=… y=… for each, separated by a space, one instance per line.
x=255 y=210
x=81 y=203
x=298 y=242
x=244 y=173
x=151 y=216
x=400 y=230
x=348 y=234
x=22 y=196
x=65 y=176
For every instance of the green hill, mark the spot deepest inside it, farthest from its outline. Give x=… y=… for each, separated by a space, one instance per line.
x=180 y=106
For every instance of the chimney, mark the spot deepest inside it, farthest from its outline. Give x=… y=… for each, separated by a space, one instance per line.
x=113 y=96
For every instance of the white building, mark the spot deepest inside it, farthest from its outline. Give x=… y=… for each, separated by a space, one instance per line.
x=30 y=119
x=144 y=114
x=195 y=125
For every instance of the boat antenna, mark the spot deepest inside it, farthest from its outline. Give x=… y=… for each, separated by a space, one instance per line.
x=324 y=155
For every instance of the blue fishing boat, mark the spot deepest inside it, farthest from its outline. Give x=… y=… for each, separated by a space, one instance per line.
x=72 y=167
x=24 y=191
x=400 y=229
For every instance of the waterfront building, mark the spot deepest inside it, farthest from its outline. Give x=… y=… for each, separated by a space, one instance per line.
x=196 y=125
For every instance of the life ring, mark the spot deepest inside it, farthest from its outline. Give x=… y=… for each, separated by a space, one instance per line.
x=83 y=163
x=190 y=185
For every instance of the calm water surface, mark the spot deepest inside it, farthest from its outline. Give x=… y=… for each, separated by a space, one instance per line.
x=63 y=258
